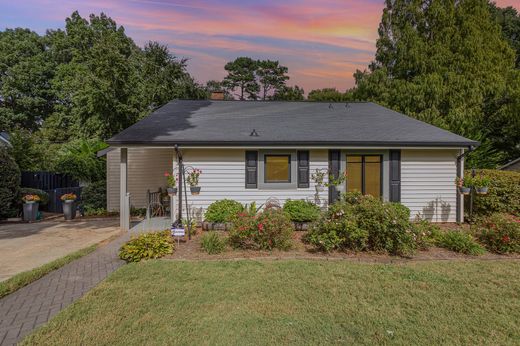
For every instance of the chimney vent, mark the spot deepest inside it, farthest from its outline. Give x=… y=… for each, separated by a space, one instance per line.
x=253 y=133
x=216 y=95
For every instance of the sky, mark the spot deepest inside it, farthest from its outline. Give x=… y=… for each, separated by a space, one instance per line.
x=322 y=42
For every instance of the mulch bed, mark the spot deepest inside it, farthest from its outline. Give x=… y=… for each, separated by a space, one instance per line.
x=191 y=250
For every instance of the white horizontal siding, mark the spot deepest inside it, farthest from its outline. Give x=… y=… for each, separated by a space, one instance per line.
x=223 y=176
x=428 y=183
x=146 y=169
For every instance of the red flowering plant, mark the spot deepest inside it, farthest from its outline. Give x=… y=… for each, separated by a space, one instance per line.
x=500 y=233
x=193 y=177
x=267 y=230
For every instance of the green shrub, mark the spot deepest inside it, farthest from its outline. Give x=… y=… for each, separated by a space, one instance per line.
x=270 y=229
x=212 y=243
x=500 y=233
x=147 y=246
x=44 y=196
x=426 y=234
x=9 y=184
x=223 y=210
x=503 y=195
x=301 y=211
x=94 y=197
x=362 y=223
x=79 y=159
x=459 y=242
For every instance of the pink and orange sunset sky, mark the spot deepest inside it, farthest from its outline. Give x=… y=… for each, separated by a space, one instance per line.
x=322 y=42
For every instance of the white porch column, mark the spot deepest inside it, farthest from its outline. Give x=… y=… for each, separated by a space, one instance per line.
x=124 y=213
x=460 y=196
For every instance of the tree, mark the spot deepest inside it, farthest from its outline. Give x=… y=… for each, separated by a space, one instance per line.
x=447 y=63
x=216 y=86
x=241 y=76
x=79 y=159
x=9 y=183
x=509 y=20
x=271 y=76
x=289 y=93
x=327 y=94
x=26 y=97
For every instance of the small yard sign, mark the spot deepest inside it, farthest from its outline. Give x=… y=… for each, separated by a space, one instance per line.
x=178 y=232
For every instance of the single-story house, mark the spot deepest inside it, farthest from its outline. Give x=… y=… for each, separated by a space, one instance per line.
x=251 y=151
x=512 y=166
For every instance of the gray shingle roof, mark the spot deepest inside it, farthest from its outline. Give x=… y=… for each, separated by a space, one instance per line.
x=230 y=123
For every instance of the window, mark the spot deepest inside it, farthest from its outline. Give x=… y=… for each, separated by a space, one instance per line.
x=364 y=174
x=277 y=169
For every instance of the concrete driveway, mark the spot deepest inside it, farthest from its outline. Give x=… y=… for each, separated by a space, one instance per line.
x=26 y=246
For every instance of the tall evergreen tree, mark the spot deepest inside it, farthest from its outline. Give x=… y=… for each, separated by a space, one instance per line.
x=271 y=77
x=241 y=76
x=447 y=63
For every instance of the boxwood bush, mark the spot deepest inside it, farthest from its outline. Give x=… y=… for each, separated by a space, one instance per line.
x=301 y=211
x=499 y=233
x=362 y=223
x=147 y=246
x=270 y=229
x=9 y=184
x=94 y=198
x=224 y=210
x=503 y=195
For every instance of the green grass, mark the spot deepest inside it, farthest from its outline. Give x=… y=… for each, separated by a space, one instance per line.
x=295 y=302
x=24 y=278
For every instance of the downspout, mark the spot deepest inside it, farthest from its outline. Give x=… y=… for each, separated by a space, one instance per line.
x=460 y=174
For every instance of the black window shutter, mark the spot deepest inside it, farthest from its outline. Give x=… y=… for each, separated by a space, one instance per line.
x=303 y=169
x=251 y=169
x=334 y=162
x=395 y=175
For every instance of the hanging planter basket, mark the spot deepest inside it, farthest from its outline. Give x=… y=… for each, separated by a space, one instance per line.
x=465 y=190
x=172 y=191
x=195 y=190
x=482 y=190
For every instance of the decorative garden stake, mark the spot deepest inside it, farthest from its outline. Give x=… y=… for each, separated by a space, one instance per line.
x=30 y=207
x=69 y=206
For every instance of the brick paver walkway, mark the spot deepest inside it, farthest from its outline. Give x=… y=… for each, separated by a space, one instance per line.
x=31 y=306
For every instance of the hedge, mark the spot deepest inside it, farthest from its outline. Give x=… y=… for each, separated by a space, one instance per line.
x=503 y=195
x=9 y=184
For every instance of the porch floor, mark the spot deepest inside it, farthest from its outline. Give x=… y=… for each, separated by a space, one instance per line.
x=150 y=225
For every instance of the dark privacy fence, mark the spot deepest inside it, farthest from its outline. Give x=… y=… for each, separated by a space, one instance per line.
x=55 y=184
x=47 y=180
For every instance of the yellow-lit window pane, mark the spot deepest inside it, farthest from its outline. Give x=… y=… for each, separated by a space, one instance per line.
x=354 y=158
x=277 y=168
x=354 y=174
x=372 y=158
x=372 y=178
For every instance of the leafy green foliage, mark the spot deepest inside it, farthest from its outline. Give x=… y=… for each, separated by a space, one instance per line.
x=79 y=159
x=328 y=94
x=289 y=93
x=451 y=68
x=94 y=197
x=503 y=195
x=270 y=229
x=212 y=243
x=224 y=210
x=271 y=76
x=459 y=241
x=147 y=246
x=9 y=183
x=500 y=233
x=44 y=196
x=241 y=76
x=363 y=223
x=301 y=211
x=509 y=20
x=426 y=234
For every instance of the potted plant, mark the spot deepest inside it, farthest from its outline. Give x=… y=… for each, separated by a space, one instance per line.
x=481 y=184
x=193 y=181
x=172 y=183
x=30 y=207
x=464 y=185
x=69 y=207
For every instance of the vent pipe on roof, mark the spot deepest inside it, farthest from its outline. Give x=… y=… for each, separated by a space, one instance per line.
x=331 y=106
x=253 y=133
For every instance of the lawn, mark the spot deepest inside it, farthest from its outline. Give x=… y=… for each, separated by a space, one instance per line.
x=295 y=302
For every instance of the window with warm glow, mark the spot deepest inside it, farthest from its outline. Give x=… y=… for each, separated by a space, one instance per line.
x=364 y=174
x=277 y=168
